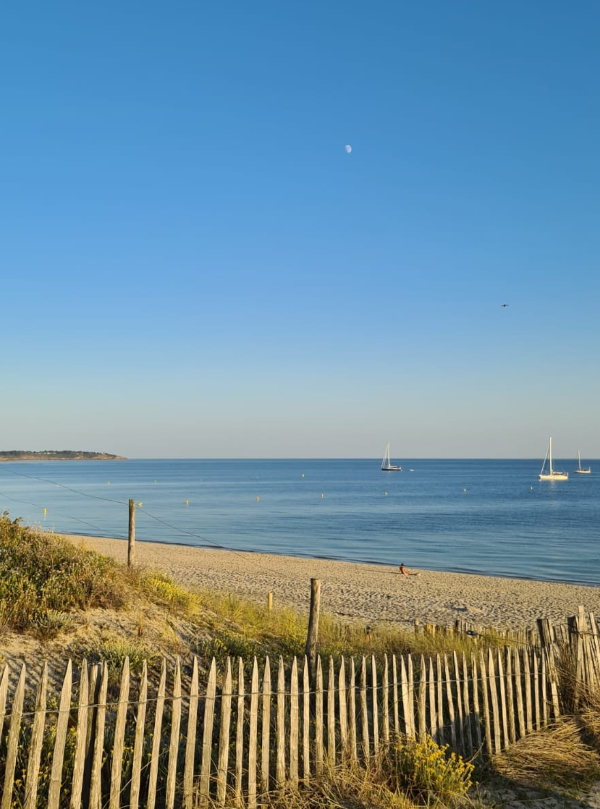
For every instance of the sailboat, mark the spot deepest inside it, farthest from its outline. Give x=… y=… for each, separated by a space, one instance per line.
x=386 y=464
x=581 y=470
x=551 y=474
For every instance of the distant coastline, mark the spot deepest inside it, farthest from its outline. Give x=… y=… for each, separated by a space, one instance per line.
x=57 y=455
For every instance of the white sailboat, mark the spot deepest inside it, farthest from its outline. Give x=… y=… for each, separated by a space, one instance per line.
x=386 y=464
x=551 y=474
x=582 y=470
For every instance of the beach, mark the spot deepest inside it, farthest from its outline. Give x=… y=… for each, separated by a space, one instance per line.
x=360 y=592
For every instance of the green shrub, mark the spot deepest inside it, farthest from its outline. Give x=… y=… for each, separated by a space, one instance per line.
x=426 y=771
x=52 y=623
x=164 y=590
x=114 y=652
x=41 y=573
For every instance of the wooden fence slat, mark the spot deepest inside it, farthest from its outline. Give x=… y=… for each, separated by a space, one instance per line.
x=253 y=733
x=583 y=638
x=158 y=717
x=224 y=729
x=79 y=758
x=374 y=702
x=527 y=685
x=408 y=690
x=239 y=733
x=13 y=740
x=467 y=707
x=421 y=703
x=577 y=627
x=343 y=708
x=459 y=705
x=450 y=701
x=35 y=745
x=595 y=638
x=386 y=701
x=553 y=682
x=138 y=745
x=319 y=718
x=440 y=700
x=174 y=738
x=476 y=712
x=190 y=742
x=266 y=725
x=98 y=744
x=331 y=715
x=590 y=668
x=411 y=695
x=495 y=707
x=510 y=697
x=207 y=733
x=432 y=709
x=519 y=693
x=503 y=705
x=486 y=705
x=280 y=761
x=294 y=716
x=58 y=757
x=364 y=714
x=119 y=739
x=306 y=722
x=544 y=689
x=395 y=695
x=95 y=676
x=352 y=731
x=536 y=692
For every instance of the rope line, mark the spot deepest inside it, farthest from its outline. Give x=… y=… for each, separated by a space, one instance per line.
x=142 y=510
x=370 y=689
x=412 y=686
x=64 y=516
x=62 y=486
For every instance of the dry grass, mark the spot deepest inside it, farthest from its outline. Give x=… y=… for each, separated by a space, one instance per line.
x=555 y=757
x=589 y=715
x=377 y=786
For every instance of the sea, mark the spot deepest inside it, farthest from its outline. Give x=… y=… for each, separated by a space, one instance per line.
x=493 y=517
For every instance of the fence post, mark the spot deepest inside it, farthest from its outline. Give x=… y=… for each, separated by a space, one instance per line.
x=313 y=628
x=131 y=539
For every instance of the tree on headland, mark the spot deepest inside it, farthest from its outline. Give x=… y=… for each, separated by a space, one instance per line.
x=57 y=455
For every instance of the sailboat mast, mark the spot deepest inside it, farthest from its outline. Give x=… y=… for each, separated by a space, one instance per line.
x=550 y=452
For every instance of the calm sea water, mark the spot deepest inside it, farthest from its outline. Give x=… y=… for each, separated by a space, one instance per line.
x=480 y=516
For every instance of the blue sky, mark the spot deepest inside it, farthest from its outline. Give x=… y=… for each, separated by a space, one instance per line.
x=193 y=266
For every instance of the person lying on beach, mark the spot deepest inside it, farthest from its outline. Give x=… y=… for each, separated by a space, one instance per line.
x=406 y=572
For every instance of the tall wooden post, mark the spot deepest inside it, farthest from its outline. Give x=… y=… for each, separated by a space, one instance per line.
x=131 y=540
x=313 y=628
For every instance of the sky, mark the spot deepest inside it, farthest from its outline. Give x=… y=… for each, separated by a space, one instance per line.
x=193 y=265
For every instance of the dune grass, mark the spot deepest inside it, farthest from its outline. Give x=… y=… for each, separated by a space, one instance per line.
x=555 y=756
x=43 y=576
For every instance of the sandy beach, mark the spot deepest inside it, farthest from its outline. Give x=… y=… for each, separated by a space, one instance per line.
x=367 y=593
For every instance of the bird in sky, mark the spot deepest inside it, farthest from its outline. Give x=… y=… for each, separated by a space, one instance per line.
x=503 y=305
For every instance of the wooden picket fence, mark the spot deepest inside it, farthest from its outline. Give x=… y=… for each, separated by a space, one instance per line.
x=247 y=732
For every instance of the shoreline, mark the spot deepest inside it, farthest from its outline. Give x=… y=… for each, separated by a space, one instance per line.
x=355 y=591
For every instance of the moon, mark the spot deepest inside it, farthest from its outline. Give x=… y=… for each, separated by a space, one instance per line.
x=348 y=148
